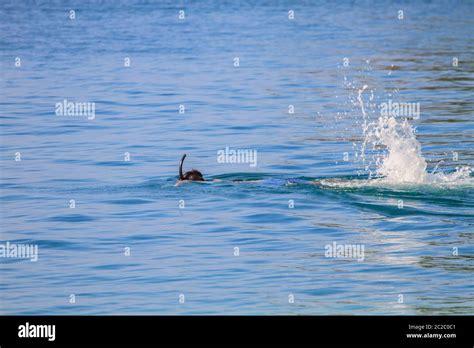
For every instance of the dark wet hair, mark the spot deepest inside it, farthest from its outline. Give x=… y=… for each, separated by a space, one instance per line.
x=192 y=175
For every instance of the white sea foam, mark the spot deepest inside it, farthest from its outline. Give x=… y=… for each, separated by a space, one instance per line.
x=403 y=161
x=396 y=157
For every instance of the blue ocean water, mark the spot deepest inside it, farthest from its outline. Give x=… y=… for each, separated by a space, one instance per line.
x=255 y=241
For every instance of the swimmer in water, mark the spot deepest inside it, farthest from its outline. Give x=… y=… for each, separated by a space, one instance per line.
x=196 y=175
x=192 y=175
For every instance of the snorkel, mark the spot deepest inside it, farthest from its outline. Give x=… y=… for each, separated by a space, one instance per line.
x=181 y=176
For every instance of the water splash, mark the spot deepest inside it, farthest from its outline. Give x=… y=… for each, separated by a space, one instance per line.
x=391 y=153
x=402 y=160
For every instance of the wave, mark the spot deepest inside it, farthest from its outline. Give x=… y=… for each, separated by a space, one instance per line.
x=392 y=155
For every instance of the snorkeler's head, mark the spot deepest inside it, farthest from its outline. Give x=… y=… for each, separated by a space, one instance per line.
x=192 y=175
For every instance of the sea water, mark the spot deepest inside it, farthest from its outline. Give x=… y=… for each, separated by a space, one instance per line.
x=347 y=210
